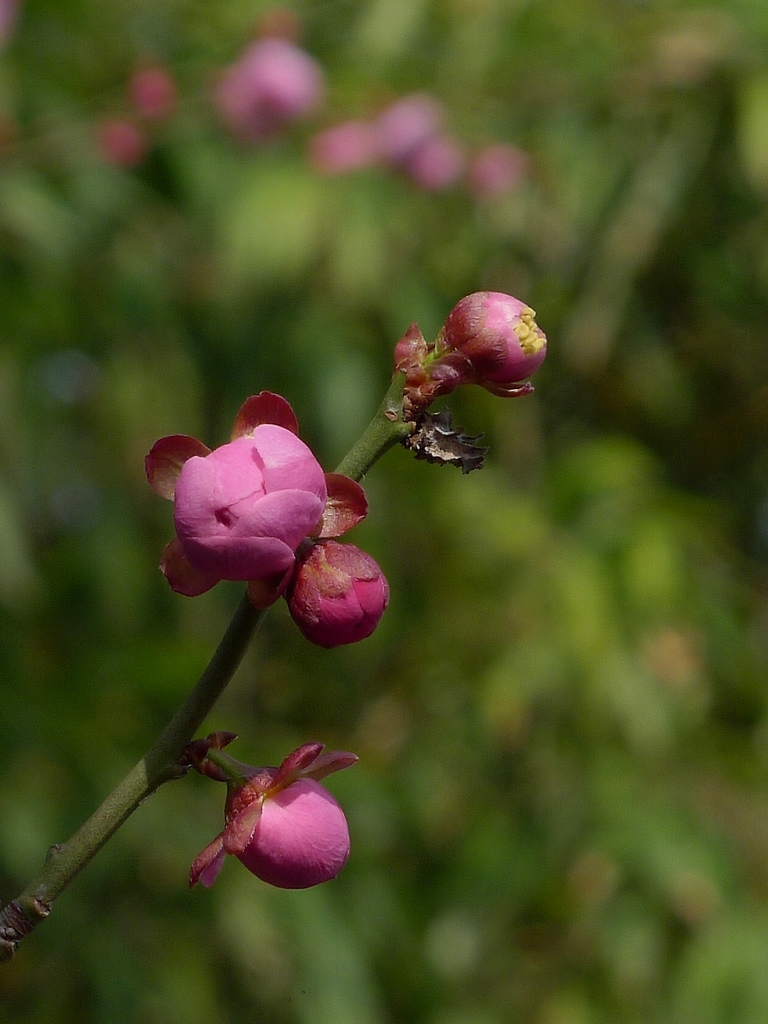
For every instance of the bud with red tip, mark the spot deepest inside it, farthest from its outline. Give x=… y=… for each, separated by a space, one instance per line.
x=337 y=595
x=282 y=824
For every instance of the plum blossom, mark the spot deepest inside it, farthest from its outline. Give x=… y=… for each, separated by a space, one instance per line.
x=273 y=84
x=281 y=823
x=242 y=511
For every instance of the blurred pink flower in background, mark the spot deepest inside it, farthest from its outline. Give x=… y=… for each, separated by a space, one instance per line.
x=121 y=142
x=348 y=146
x=153 y=93
x=496 y=170
x=407 y=124
x=9 y=9
x=437 y=163
x=273 y=84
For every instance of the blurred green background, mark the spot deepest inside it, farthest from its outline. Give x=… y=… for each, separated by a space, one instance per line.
x=560 y=815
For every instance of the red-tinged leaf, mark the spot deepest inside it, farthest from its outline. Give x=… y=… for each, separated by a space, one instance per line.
x=166 y=459
x=208 y=864
x=265 y=407
x=181 y=574
x=346 y=506
x=239 y=830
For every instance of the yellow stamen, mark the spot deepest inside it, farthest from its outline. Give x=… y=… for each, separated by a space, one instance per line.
x=531 y=336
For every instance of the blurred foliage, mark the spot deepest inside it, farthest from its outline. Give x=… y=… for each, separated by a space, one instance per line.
x=561 y=812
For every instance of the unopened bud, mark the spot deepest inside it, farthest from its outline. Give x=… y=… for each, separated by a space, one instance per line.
x=337 y=595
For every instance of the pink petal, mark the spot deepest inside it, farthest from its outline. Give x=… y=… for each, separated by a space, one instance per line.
x=265 y=407
x=345 y=507
x=301 y=839
x=166 y=459
x=287 y=463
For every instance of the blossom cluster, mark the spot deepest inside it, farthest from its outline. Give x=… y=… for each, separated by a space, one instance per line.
x=409 y=136
x=275 y=84
x=260 y=509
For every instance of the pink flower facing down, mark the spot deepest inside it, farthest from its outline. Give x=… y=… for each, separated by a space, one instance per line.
x=282 y=824
x=337 y=595
x=273 y=84
x=489 y=338
x=242 y=510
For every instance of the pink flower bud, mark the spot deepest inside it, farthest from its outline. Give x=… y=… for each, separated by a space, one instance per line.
x=348 y=146
x=282 y=824
x=121 y=142
x=437 y=163
x=497 y=336
x=407 y=124
x=153 y=93
x=496 y=170
x=337 y=594
x=241 y=511
x=489 y=339
x=273 y=84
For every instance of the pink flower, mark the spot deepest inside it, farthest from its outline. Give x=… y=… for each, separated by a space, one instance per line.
x=348 y=146
x=496 y=170
x=407 y=124
x=153 y=93
x=121 y=142
x=282 y=824
x=242 y=510
x=271 y=85
x=337 y=595
x=437 y=163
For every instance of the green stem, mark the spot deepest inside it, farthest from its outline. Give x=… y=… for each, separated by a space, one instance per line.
x=385 y=430
x=161 y=762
